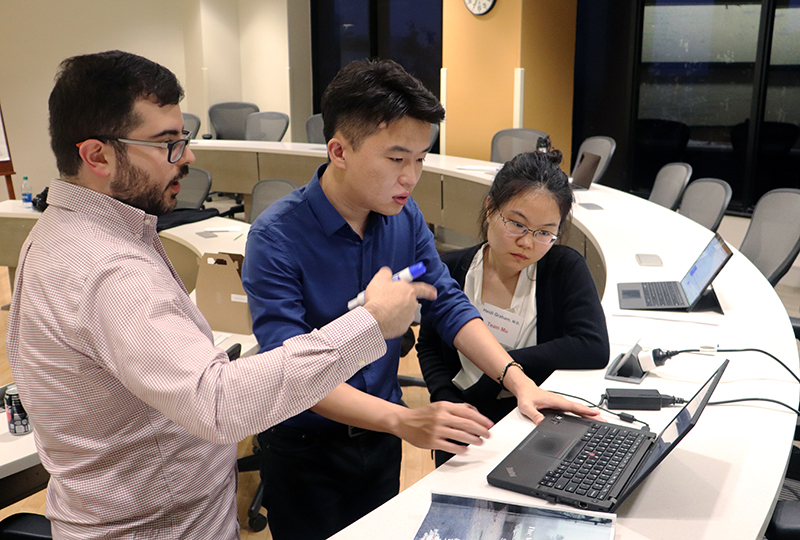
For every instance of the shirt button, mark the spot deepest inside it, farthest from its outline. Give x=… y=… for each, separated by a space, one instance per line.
x=147 y=221
x=138 y=235
x=361 y=363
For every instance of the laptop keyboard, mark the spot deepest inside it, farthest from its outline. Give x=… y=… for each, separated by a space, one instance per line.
x=595 y=463
x=661 y=293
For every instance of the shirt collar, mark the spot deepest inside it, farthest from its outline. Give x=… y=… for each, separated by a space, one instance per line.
x=329 y=217
x=109 y=210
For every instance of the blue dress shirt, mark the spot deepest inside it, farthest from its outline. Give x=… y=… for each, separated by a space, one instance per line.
x=303 y=263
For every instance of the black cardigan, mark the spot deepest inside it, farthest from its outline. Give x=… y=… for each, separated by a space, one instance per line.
x=570 y=331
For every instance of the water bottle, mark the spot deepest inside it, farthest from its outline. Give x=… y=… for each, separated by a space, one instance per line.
x=27 y=194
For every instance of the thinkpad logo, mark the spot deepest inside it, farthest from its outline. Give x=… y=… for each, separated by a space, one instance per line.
x=511 y=472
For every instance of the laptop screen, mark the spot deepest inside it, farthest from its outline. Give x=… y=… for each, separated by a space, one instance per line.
x=705 y=268
x=677 y=429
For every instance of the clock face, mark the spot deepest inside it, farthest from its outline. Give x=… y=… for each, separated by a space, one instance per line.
x=479 y=7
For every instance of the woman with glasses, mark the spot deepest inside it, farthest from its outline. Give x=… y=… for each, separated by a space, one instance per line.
x=535 y=295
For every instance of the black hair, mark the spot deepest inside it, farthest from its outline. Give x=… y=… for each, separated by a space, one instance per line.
x=94 y=96
x=524 y=172
x=368 y=93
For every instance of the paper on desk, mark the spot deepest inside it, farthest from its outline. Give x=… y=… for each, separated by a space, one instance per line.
x=219 y=337
x=452 y=516
x=478 y=168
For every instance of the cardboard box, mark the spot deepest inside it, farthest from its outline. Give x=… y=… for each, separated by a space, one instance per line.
x=220 y=295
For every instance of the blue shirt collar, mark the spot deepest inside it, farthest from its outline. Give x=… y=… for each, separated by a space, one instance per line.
x=328 y=216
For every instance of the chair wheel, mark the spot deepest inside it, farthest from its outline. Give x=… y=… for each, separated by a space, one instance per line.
x=258 y=523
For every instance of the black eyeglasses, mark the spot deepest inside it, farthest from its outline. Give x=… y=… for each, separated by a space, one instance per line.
x=175 y=149
x=516 y=228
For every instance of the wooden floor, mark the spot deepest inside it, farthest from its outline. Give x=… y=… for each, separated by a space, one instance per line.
x=416 y=462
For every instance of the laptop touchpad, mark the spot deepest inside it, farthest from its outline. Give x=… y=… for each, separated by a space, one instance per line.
x=548 y=443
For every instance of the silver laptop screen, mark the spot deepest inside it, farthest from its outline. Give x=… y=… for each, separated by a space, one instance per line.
x=680 y=425
x=699 y=276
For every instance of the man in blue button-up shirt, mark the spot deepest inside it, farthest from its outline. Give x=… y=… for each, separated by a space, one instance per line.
x=313 y=251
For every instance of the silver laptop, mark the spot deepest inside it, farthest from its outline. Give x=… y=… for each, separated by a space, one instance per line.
x=589 y=464
x=678 y=295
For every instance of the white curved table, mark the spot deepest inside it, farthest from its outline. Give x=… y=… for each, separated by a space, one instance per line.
x=723 y=480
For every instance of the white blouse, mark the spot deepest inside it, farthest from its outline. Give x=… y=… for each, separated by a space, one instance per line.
x=515 y=327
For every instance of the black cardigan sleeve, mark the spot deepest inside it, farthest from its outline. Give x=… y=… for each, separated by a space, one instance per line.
x=570 y=326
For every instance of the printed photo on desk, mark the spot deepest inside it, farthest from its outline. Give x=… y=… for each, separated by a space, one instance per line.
x=451 y=518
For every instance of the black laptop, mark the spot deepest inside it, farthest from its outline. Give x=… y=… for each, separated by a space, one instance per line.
x=583 y=174
x=678 y=295
x=589 y=464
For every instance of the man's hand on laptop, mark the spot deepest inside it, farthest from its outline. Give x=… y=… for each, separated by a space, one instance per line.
x=531 y=398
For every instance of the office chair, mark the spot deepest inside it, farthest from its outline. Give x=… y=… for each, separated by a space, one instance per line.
x=25 y=526
x=228 y=119
x=670 y=182
x=599 y=146
x=705 y=201
x=775 y=141
x=314 y=129
x=266 y=192
x=434 y=134
x=191 y=123
x=507 y=143
x=194 y=188
x=772 y=240
x=266 y=126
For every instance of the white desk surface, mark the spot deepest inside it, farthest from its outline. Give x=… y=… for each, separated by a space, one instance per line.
x=721 y=482
x=13 y=208
x=723 y=479
x=18 y=453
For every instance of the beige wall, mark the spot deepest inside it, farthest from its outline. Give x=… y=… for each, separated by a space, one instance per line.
x=37 y=35
x=221 y=50
x=481 y=54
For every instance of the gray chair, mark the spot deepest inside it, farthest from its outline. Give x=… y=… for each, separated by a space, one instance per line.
x=191 y=123
x=772 y=241
x=507 y=143
x=434 y=134
x=314 y=129
x=228 y=119
x=670 y=182
x=705 y=201
x=194 y=188
x=266 y=192
x=266 y=126
x=600 y=146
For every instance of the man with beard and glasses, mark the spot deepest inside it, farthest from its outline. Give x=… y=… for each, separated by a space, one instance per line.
x=136 y=413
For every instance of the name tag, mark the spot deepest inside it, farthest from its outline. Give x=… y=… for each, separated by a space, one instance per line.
x=504 y=325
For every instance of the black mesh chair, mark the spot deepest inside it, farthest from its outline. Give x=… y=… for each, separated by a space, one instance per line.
x=670 y=182
x=191 y=123
x=194 y=188
x=266 y=126
x=314 y=129
x=600 y=146
x=228 y=119
x=507 y=143
x=705 y=201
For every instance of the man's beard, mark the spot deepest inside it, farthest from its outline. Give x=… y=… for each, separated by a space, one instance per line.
x=134 y=186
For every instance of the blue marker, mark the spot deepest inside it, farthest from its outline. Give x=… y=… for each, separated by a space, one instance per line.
x=408 y=274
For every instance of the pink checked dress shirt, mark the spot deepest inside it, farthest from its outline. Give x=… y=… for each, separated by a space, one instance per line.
x=136 y=414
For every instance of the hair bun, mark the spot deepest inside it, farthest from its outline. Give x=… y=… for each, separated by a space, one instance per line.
x=555 y=156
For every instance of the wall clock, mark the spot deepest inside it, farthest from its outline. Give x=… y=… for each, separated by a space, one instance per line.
x=479 y=7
